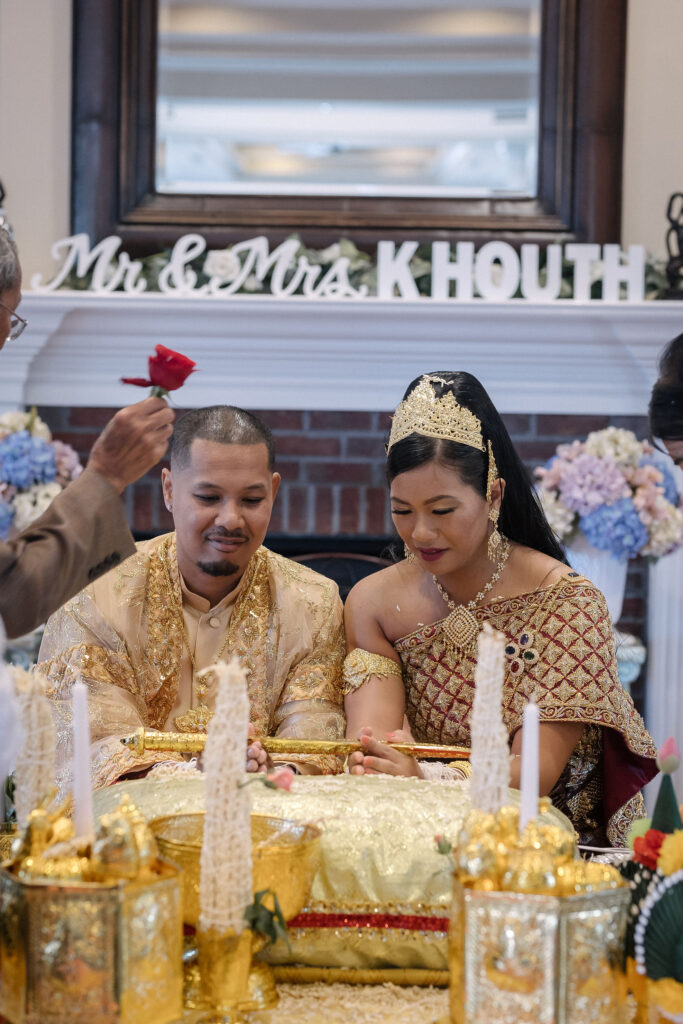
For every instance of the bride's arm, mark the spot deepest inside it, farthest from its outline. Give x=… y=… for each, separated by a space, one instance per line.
x=373 y=684
x=556 y=741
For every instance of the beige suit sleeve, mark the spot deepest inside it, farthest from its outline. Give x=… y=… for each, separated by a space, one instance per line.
x=311 y=702
x=82 y=535
x=81 y=643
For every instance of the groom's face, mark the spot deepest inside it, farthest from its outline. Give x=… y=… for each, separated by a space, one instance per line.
x=221 y=501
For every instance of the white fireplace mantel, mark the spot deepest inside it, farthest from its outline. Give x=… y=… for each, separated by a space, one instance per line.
x=267 y=353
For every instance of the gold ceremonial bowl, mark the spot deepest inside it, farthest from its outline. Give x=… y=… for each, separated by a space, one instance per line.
x=285 y=856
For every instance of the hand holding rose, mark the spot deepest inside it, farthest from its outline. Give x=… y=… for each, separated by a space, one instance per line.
x=132 y=442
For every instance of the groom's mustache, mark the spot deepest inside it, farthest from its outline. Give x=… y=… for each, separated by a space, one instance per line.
x=226 y=535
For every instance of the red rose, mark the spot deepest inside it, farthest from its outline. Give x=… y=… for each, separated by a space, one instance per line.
x=168 y=370
x=646 y=848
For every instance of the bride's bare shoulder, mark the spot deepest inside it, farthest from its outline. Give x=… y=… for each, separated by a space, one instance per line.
x=374 y=589
x=535 y=569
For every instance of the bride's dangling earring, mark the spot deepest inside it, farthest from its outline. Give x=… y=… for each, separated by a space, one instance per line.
x=495 y=540
x=408 y=554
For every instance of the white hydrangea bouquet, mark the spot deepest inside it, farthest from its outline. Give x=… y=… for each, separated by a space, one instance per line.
x=617 y=491
x=33 y=469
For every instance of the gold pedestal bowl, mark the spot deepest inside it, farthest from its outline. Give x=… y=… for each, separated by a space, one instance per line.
x=285 y=857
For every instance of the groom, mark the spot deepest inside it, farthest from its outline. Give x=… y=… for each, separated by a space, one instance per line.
x=141 y=636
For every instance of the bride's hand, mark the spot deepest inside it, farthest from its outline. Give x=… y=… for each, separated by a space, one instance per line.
x=377 y=758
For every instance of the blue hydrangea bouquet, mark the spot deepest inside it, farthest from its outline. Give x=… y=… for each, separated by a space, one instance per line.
x=617 y=491
x=33 y=469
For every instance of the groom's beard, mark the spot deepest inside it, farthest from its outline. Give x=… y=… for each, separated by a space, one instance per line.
x=222 y=568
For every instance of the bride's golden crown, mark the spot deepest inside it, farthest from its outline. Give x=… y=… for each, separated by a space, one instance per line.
x=422 y=412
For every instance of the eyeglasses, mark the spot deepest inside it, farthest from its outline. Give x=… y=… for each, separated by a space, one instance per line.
x=16 y=323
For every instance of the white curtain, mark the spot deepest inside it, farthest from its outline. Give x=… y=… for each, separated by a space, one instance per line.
x=664 y=691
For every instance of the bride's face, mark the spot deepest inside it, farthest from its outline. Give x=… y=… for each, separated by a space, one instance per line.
x=443 y=520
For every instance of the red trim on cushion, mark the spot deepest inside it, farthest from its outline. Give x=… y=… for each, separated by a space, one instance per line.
x=408 y=922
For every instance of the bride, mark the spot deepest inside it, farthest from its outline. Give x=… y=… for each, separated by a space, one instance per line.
x=478 y=548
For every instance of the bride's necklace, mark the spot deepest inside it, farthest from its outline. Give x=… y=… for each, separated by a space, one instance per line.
x=461 y=628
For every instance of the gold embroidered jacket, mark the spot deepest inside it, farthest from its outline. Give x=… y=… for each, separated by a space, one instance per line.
x=124 y=635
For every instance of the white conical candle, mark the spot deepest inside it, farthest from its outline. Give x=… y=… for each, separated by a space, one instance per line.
x=225 y=884
x=530 y=770
x=82 y=782
x=489 y=756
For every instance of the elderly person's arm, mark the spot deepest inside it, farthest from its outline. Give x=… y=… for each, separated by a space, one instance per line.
x=83 y=533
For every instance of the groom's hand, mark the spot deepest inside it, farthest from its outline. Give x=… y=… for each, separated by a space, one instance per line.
x=257 y=758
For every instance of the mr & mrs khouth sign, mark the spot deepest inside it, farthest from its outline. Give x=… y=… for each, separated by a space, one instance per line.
x=496 y=272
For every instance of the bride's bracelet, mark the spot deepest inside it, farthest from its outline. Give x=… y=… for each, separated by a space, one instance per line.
x=454 y=771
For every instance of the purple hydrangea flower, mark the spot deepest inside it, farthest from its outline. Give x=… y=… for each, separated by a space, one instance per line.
x=26 y=460
x=615 y=528
x=6 y=518
x=589 y=482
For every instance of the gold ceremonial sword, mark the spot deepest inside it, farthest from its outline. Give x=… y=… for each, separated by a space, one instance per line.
x=192 y=742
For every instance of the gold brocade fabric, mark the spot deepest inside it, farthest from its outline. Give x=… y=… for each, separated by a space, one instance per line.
x=382 y=892
x=124 y=635
x=572 y=672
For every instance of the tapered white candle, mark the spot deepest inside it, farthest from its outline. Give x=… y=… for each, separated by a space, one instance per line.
x=530 y=771
x=82 y=783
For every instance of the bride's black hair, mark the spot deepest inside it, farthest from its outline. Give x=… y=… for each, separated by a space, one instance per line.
x=521 y=517
x=666 y=401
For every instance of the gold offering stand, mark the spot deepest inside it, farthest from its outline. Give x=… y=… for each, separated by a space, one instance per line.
x=285 y=856
x=143 y=740
x=536 y=935
x=90 y=933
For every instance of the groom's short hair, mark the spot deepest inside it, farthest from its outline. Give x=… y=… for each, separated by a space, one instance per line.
x=224 y=424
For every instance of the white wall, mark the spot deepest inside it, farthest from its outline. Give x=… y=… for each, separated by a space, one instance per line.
x=35 y=87
x=35 y=117
x=653 y=144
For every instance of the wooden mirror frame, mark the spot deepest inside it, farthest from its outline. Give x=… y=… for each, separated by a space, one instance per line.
x=583 y=47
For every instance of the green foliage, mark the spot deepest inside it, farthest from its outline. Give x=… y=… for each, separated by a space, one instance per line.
x=8 y=792
x=269 y=923
x=443 y=846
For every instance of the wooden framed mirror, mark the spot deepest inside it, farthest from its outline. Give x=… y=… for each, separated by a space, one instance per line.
x=577 y=191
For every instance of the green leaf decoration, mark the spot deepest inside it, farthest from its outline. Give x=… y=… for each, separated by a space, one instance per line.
x=269 y=923
x=444 y=846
